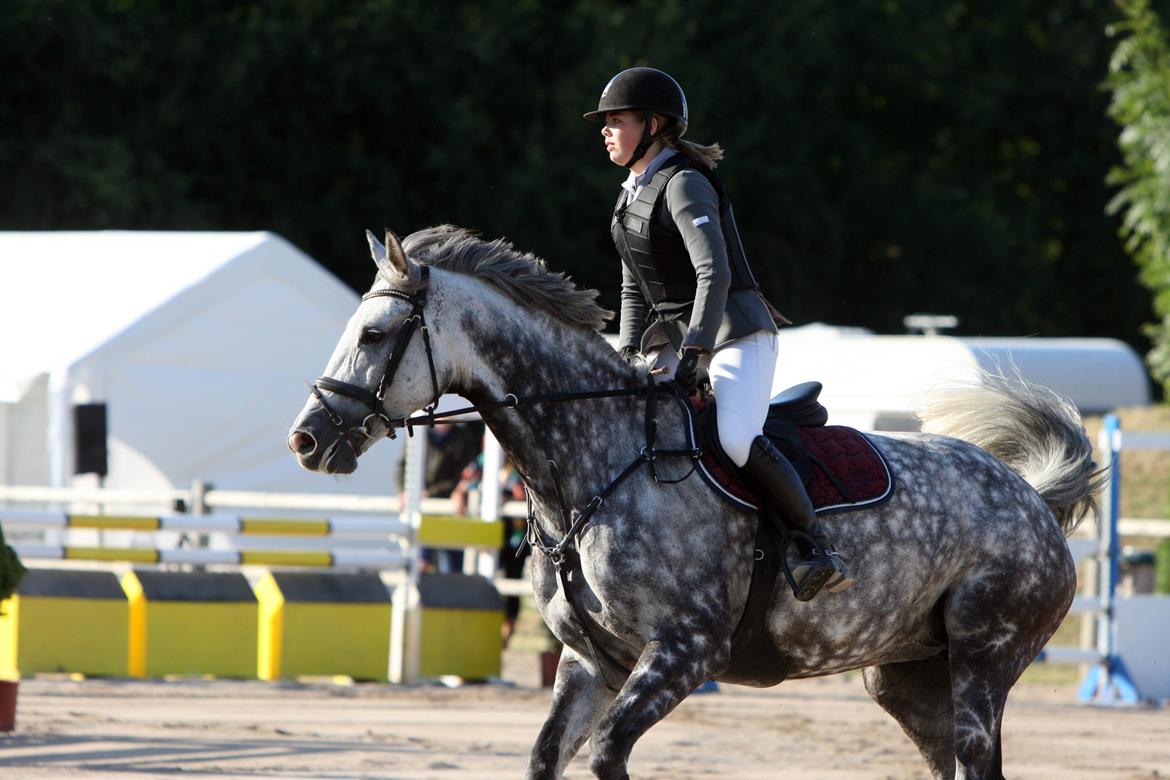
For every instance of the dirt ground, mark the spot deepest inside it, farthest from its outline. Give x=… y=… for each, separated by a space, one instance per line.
x=813 y=730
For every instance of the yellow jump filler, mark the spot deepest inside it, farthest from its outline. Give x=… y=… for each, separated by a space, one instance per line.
x=191 y=623
x=66 y=621
x=323 y=624
x=462 y=617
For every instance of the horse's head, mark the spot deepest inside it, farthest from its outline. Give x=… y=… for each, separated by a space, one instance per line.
x=382 y=369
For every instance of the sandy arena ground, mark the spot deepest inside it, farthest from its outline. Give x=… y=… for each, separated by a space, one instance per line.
x=812 y=730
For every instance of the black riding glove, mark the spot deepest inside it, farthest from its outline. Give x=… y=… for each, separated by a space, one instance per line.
x=687 y=373
x=633 y=356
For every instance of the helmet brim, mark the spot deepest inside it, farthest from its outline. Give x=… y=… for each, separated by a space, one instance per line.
x=601 y=112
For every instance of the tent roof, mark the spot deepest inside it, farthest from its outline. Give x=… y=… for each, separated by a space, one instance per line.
x=198 y=344
x=66 y=293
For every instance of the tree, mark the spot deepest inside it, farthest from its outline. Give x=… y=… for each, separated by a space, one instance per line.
x=1139 y=77
x=884 y=156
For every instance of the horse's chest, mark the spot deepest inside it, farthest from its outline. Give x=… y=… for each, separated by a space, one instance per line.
x=631 y=593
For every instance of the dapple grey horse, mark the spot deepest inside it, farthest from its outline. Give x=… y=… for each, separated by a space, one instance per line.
x=963 y=574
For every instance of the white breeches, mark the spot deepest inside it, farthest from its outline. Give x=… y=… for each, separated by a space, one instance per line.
x=741 y=375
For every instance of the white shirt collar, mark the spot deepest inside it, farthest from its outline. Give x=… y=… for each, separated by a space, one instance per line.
x=635 y=181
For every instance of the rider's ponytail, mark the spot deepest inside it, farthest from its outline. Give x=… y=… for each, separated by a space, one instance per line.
x=708 y=156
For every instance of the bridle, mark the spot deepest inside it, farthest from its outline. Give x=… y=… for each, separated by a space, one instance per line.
x=377 y=423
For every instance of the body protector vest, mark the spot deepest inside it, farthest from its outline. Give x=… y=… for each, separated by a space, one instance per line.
x=652 y=248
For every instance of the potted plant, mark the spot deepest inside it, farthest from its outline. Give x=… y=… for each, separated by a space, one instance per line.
x=11 y=573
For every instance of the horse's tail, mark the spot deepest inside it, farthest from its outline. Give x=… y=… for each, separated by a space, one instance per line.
x=1038 y=434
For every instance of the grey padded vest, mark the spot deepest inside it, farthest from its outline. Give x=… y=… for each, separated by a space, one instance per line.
x=652 y=248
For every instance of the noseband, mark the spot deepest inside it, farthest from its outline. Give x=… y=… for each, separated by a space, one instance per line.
x=377 y=423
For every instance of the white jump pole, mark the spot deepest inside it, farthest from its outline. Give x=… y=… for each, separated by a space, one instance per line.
x=404 y=623
x=489 y=499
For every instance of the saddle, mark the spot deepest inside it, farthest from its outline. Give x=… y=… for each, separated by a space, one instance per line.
x=841 y=471
x=840 y=468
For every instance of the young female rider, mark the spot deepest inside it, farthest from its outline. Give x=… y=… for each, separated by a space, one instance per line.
x=688 y=294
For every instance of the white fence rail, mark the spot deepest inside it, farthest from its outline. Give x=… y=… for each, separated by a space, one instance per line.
x=384 y=540
x=88 y=524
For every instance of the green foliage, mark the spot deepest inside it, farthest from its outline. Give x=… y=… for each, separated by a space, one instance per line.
x=1139 y=77
x=1162 y=567
x=884 y=156
x=12 y=571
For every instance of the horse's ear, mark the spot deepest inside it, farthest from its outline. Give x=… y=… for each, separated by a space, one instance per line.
x=377 y=251
x=397 y=257
x=390 y=258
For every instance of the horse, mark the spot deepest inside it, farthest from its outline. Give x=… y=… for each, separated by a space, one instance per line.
x=963 y=573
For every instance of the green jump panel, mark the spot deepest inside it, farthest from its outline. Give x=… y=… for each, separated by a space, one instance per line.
x=188 y=623
x=323 y=623
x=66 y=621
x=460 y=625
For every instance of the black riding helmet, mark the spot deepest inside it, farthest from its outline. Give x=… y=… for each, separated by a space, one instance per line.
x=649 y=91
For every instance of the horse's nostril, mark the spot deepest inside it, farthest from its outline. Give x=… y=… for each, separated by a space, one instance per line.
x=302 y=443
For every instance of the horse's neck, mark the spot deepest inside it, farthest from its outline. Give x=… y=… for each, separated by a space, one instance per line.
x=528 y=353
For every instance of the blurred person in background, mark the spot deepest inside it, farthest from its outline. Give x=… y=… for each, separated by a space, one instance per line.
x=450 y=446
x=513 y=553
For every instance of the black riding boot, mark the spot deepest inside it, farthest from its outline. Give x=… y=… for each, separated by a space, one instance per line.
x=775 y=480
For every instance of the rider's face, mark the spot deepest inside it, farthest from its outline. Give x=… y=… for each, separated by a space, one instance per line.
x=622 y=132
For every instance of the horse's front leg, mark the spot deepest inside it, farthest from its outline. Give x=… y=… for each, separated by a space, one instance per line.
x=666 y=673
x=579 y=699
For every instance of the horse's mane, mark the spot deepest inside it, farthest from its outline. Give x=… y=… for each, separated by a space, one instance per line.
x=521 y=276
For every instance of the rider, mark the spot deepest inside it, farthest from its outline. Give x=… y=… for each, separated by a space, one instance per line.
x=687 y=290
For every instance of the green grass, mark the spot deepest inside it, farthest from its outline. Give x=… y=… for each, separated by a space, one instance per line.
x=1145 y=487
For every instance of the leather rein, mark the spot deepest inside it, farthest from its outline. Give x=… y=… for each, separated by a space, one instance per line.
x=563 y=554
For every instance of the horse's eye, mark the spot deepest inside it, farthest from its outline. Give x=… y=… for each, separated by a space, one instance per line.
x=371 y=336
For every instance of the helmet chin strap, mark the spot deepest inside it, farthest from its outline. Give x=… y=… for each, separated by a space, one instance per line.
x=648 y=138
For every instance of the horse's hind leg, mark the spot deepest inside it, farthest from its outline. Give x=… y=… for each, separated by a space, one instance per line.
x=579 y=699
x=995 y=626
x=918 y=695
x=951 y=705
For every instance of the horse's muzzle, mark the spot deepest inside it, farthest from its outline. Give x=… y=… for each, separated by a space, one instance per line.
x=302 y=443
x=319 y=451
x=340 y=458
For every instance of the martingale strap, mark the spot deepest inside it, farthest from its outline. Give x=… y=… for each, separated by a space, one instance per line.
x=565 y=556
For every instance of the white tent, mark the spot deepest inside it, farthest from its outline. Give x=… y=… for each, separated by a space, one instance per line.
x=199 y=344
x=877 y=382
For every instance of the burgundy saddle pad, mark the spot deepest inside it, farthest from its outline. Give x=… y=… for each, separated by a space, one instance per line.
x=847 y=471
